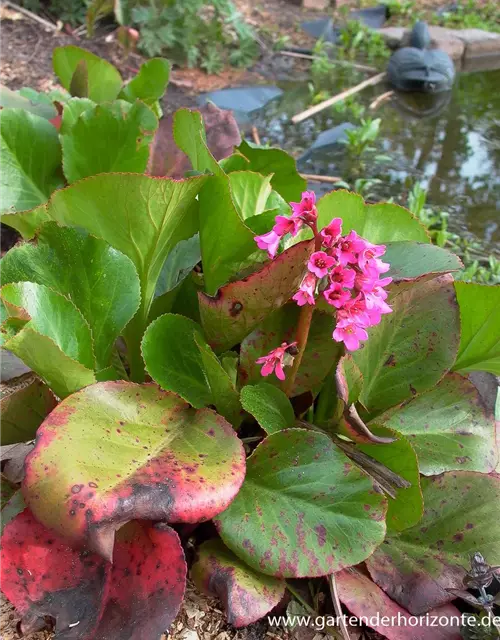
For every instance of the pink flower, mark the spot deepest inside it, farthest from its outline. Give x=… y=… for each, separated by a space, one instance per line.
x=319 y=263
x=349 y=247
x=350 y=335
x=336 y=295
x=286 y=225
x=371 y=251
x=354 y=311
x=306 y=208
x=278 y=358
x=331 y=233
x=268 y=242
x=343 y=276
x=364 y=282
x=305 y=294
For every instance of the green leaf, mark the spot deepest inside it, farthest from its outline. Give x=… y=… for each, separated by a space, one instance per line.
x=24 y=403
x=180 y=262
x=72 y=111
x=286 y=179
x=104 y=80
x=321 y=351
x=109 y=138
x=101 y=282
x=150 y=83
x=142 y=217
x=250 y=192
x=31 y=160
x=178 y=359
x=406 y=509
x=136 y=453
x=378 y=223
x=189 y=136
x=173 y=358
x=480 y=328
x=303 y=509
x=448 y=427
x=224 y=395
x=412 y=347
x=240 y=306
x=417 y=260
x=247 y=595
x=50 y=335
x=225 y=240
x=269 y=406
x=418 y=566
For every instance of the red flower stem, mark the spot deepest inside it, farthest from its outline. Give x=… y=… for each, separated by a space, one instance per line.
x=303 y=327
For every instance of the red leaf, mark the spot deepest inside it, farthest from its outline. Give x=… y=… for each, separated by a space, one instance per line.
x=136 y=597
x=363 y=598
x=222 y=132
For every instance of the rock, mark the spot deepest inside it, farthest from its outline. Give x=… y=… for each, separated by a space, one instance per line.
x=482 y=49
x=242 y=101
x=318 y=5
x=393 y=36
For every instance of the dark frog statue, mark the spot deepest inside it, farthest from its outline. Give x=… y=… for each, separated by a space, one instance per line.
x=419 y=68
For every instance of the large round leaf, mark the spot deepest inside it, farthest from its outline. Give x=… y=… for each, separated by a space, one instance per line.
x=304 y=508
x=247 y=595
x=379 y=223
x=118 y=451
x=419 y=565
x=100 y=281
x=31 y=160
x=418 y=260
x=412 y=347
x=137 y=596
x=448 y=427
x=239 y=306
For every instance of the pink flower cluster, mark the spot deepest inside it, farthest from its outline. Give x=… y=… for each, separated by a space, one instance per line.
x=346 y=270
x=277 y=359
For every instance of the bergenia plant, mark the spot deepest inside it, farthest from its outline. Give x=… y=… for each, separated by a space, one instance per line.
x=313 y=402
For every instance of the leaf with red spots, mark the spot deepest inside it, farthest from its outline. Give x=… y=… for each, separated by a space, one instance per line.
x=304 y=508
x=406 y=509
x=137 y=596
x=146 y=585
x=418 y=566
x=240 y=306
x=448 y=427
x=320 y=354
x=412 y=347
x=247 y=595
x=364 y=599
x=118 y=451
x=43 y=576
x=25 y=401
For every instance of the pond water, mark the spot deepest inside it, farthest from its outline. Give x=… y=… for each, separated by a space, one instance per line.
x=453 y=149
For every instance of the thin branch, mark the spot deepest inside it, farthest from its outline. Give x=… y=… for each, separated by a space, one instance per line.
x=384 y=97
x=303 y=115
x=312 y=177
x=341 y=63
x=255 y=135
x=337 y=606
x=30 y=14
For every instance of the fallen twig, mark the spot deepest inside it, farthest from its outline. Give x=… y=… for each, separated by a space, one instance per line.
x=255 y=135
x=340 y=63
x=381 y=99
x=338 y=607
x=30 y=14
x=316 y=178
x=338 y=98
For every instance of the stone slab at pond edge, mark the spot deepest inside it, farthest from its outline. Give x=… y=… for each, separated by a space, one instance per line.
x=470 y=49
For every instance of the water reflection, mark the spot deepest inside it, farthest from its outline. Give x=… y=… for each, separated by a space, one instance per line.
x=452 y=145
